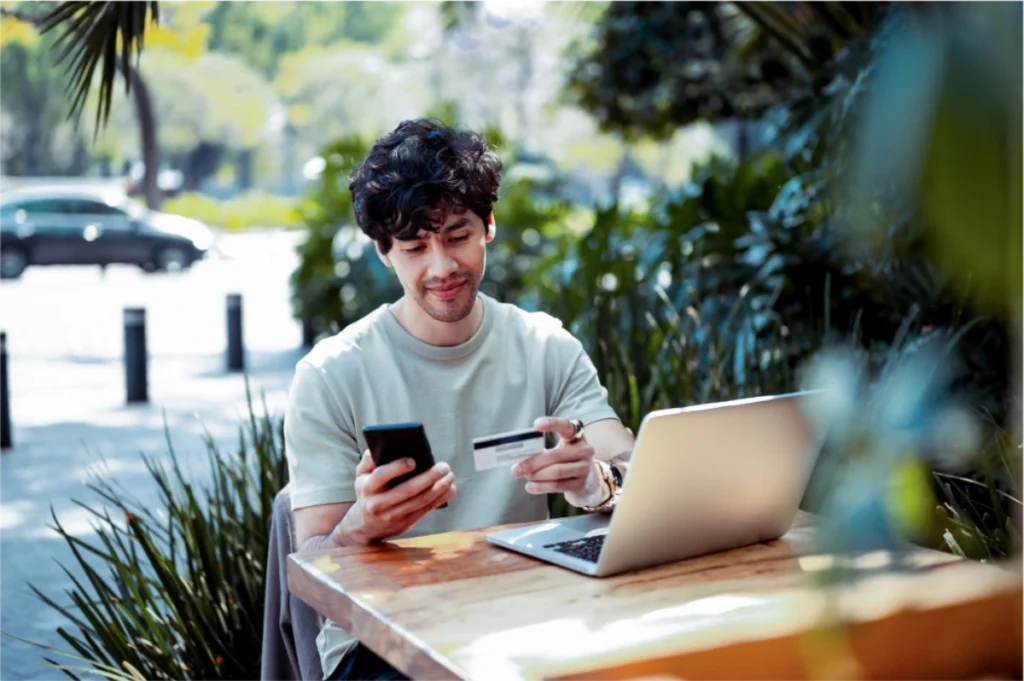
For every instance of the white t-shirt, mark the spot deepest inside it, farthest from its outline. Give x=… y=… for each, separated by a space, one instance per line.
x=518 y=366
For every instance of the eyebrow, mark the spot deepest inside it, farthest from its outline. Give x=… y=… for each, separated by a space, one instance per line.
x=458 y=224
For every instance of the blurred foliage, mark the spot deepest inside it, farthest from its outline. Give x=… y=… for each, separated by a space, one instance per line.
x=652 y=67
x=111 y=34
x=213 y=98
x=325 y=90
x=249 y=209
x=176 y=591
x=948 y=98
x=36 y=138
x=327 y=290
x=263 y=32
x=900 y=444
x=656 y=302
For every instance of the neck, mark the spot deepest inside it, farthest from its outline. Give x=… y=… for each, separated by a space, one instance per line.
x=442 y=334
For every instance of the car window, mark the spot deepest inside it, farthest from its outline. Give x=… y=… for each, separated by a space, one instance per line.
x=89 y=207
x=44 y=206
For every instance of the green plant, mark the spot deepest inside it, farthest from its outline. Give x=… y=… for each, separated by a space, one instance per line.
x=658 y=300
x=177 y=591
x=976 y=514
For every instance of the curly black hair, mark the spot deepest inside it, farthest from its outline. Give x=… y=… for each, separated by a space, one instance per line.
x=416 y=176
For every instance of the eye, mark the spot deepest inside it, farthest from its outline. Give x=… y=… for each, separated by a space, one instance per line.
x=460 y=238
x=415 y=249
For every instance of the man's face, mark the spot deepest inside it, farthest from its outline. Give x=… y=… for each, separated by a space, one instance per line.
x=442 y=270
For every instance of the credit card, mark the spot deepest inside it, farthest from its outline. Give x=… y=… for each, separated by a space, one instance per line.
x=504 y=449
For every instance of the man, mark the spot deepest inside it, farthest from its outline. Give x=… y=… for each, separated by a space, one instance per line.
x=449 y=357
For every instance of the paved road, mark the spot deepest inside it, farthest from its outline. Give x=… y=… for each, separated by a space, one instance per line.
x=65 y=337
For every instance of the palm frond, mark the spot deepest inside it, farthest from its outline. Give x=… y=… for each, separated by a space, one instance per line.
x=774 y=22
x=91 y=34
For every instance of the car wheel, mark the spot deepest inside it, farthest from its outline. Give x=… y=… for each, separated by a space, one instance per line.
x=13 y=262
x=172 y=259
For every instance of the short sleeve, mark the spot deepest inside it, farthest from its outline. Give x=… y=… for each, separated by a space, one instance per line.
x=579 y=393
x=321 y=449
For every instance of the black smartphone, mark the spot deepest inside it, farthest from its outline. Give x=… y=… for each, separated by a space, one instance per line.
x=392 y=441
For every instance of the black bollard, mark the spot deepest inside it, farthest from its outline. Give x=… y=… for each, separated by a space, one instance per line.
x=135 y=360
x=236 y=352
x=5 y=398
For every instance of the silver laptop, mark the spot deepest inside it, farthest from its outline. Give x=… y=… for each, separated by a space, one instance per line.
x=702 y=479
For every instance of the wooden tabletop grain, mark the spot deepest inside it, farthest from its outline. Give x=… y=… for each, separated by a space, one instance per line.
x=452 y=606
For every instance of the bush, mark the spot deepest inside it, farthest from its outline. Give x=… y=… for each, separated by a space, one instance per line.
x=178 y=590
x=334 y=283
x=657 y=301
x=250 y=209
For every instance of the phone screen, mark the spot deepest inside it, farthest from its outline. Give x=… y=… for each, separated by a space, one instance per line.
x=390 y=442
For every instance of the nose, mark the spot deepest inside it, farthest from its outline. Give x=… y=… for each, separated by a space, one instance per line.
x=442 y=264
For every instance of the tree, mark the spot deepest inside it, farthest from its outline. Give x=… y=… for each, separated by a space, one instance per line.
x=32 y=101
x=342 y=90
x=653 y=67
x=263 y=33
x=210 y=106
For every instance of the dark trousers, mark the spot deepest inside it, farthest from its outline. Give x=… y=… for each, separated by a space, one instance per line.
x=364 y=664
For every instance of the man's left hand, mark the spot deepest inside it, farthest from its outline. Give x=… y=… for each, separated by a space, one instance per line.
x=568 y=467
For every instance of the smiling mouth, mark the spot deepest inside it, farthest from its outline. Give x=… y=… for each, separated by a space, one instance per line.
x=447 y=292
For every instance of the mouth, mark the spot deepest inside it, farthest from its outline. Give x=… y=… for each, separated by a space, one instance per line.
x=447 y=292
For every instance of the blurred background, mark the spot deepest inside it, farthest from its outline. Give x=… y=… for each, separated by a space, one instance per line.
x=719 y=199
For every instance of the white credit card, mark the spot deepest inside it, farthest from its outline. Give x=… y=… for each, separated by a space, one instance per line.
x=504 y=449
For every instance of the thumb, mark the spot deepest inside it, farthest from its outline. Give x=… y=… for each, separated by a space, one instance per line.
x=366 y=465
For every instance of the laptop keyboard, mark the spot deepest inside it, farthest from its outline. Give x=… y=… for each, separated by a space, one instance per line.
x=588 y=548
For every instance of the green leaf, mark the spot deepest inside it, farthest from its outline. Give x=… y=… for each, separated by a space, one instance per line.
x=88 y=34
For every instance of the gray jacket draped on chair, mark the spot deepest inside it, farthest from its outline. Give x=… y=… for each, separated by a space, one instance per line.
x=290 y=627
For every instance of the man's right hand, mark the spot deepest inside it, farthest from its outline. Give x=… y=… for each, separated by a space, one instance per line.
x=379 y=513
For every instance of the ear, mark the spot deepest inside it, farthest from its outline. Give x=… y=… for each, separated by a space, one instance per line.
x=380 y=254
x=491 y=228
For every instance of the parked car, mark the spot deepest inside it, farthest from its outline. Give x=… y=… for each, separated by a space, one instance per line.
x=93 y=226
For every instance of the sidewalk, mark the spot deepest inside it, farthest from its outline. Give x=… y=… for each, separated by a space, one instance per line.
x=72 y=414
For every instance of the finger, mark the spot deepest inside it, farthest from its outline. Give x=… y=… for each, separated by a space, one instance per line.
x=427 y=500
x=565 y=453
x=366 y=464
x=564 y=428
x=410 y=488
x=561 y=471
x=555 y=486
x=407 y=522
x=380 y=477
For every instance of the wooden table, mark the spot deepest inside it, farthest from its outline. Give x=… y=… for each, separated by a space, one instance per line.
x=453 y=606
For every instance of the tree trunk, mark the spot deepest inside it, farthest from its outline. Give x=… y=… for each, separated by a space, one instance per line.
x=147 y=133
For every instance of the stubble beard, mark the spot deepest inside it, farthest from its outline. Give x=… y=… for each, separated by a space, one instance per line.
x=454 y=310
